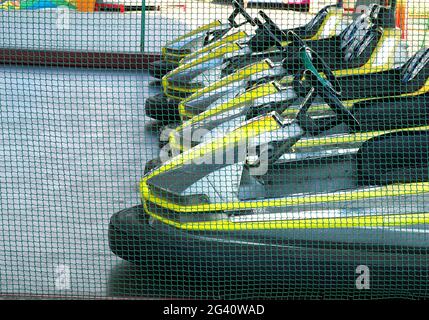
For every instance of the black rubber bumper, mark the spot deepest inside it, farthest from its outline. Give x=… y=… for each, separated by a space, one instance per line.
x=160 y=68
x=134 y=238
x=222 y=267
x=162 y=108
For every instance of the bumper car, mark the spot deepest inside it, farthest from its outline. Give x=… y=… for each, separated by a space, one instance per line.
x=203 y=38
x=224 y=209
x=370 y=43
x=402 y=84
x=199 y=71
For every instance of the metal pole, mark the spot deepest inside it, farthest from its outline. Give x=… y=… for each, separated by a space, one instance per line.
x=143 y=26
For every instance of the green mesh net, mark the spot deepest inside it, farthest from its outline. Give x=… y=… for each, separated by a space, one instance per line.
x=214 y=149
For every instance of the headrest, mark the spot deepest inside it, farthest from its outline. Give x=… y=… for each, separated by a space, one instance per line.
x=317 y=19
x=374 y=10
x=331 y=7
x=361 y=41
x=360 y=24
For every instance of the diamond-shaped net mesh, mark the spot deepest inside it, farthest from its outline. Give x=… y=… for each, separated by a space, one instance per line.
x=208 y=149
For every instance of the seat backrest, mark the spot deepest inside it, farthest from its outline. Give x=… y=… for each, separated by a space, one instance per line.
x=361 y=41
x=318 y=19
x=415 y=65
x=400 y=157
x=361 y=23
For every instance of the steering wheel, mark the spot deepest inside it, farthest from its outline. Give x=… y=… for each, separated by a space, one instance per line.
x=310 y=59
x=327 y=87
x=295 y=39
x=270 y=27
x=297 y=42
x=238 y=9
x=268 y=21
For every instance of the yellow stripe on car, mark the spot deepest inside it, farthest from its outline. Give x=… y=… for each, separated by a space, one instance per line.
x=393 y=220
x=349 y=195
x=349 y=138
x=231 y=38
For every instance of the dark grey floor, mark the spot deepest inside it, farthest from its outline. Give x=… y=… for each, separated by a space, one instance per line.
x=73 y=144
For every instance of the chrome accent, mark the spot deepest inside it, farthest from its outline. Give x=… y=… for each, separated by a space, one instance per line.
x=342 y=209
x=276 y=70
x=289 y=157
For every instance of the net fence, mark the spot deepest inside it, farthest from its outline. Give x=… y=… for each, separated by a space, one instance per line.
x=199 y=149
